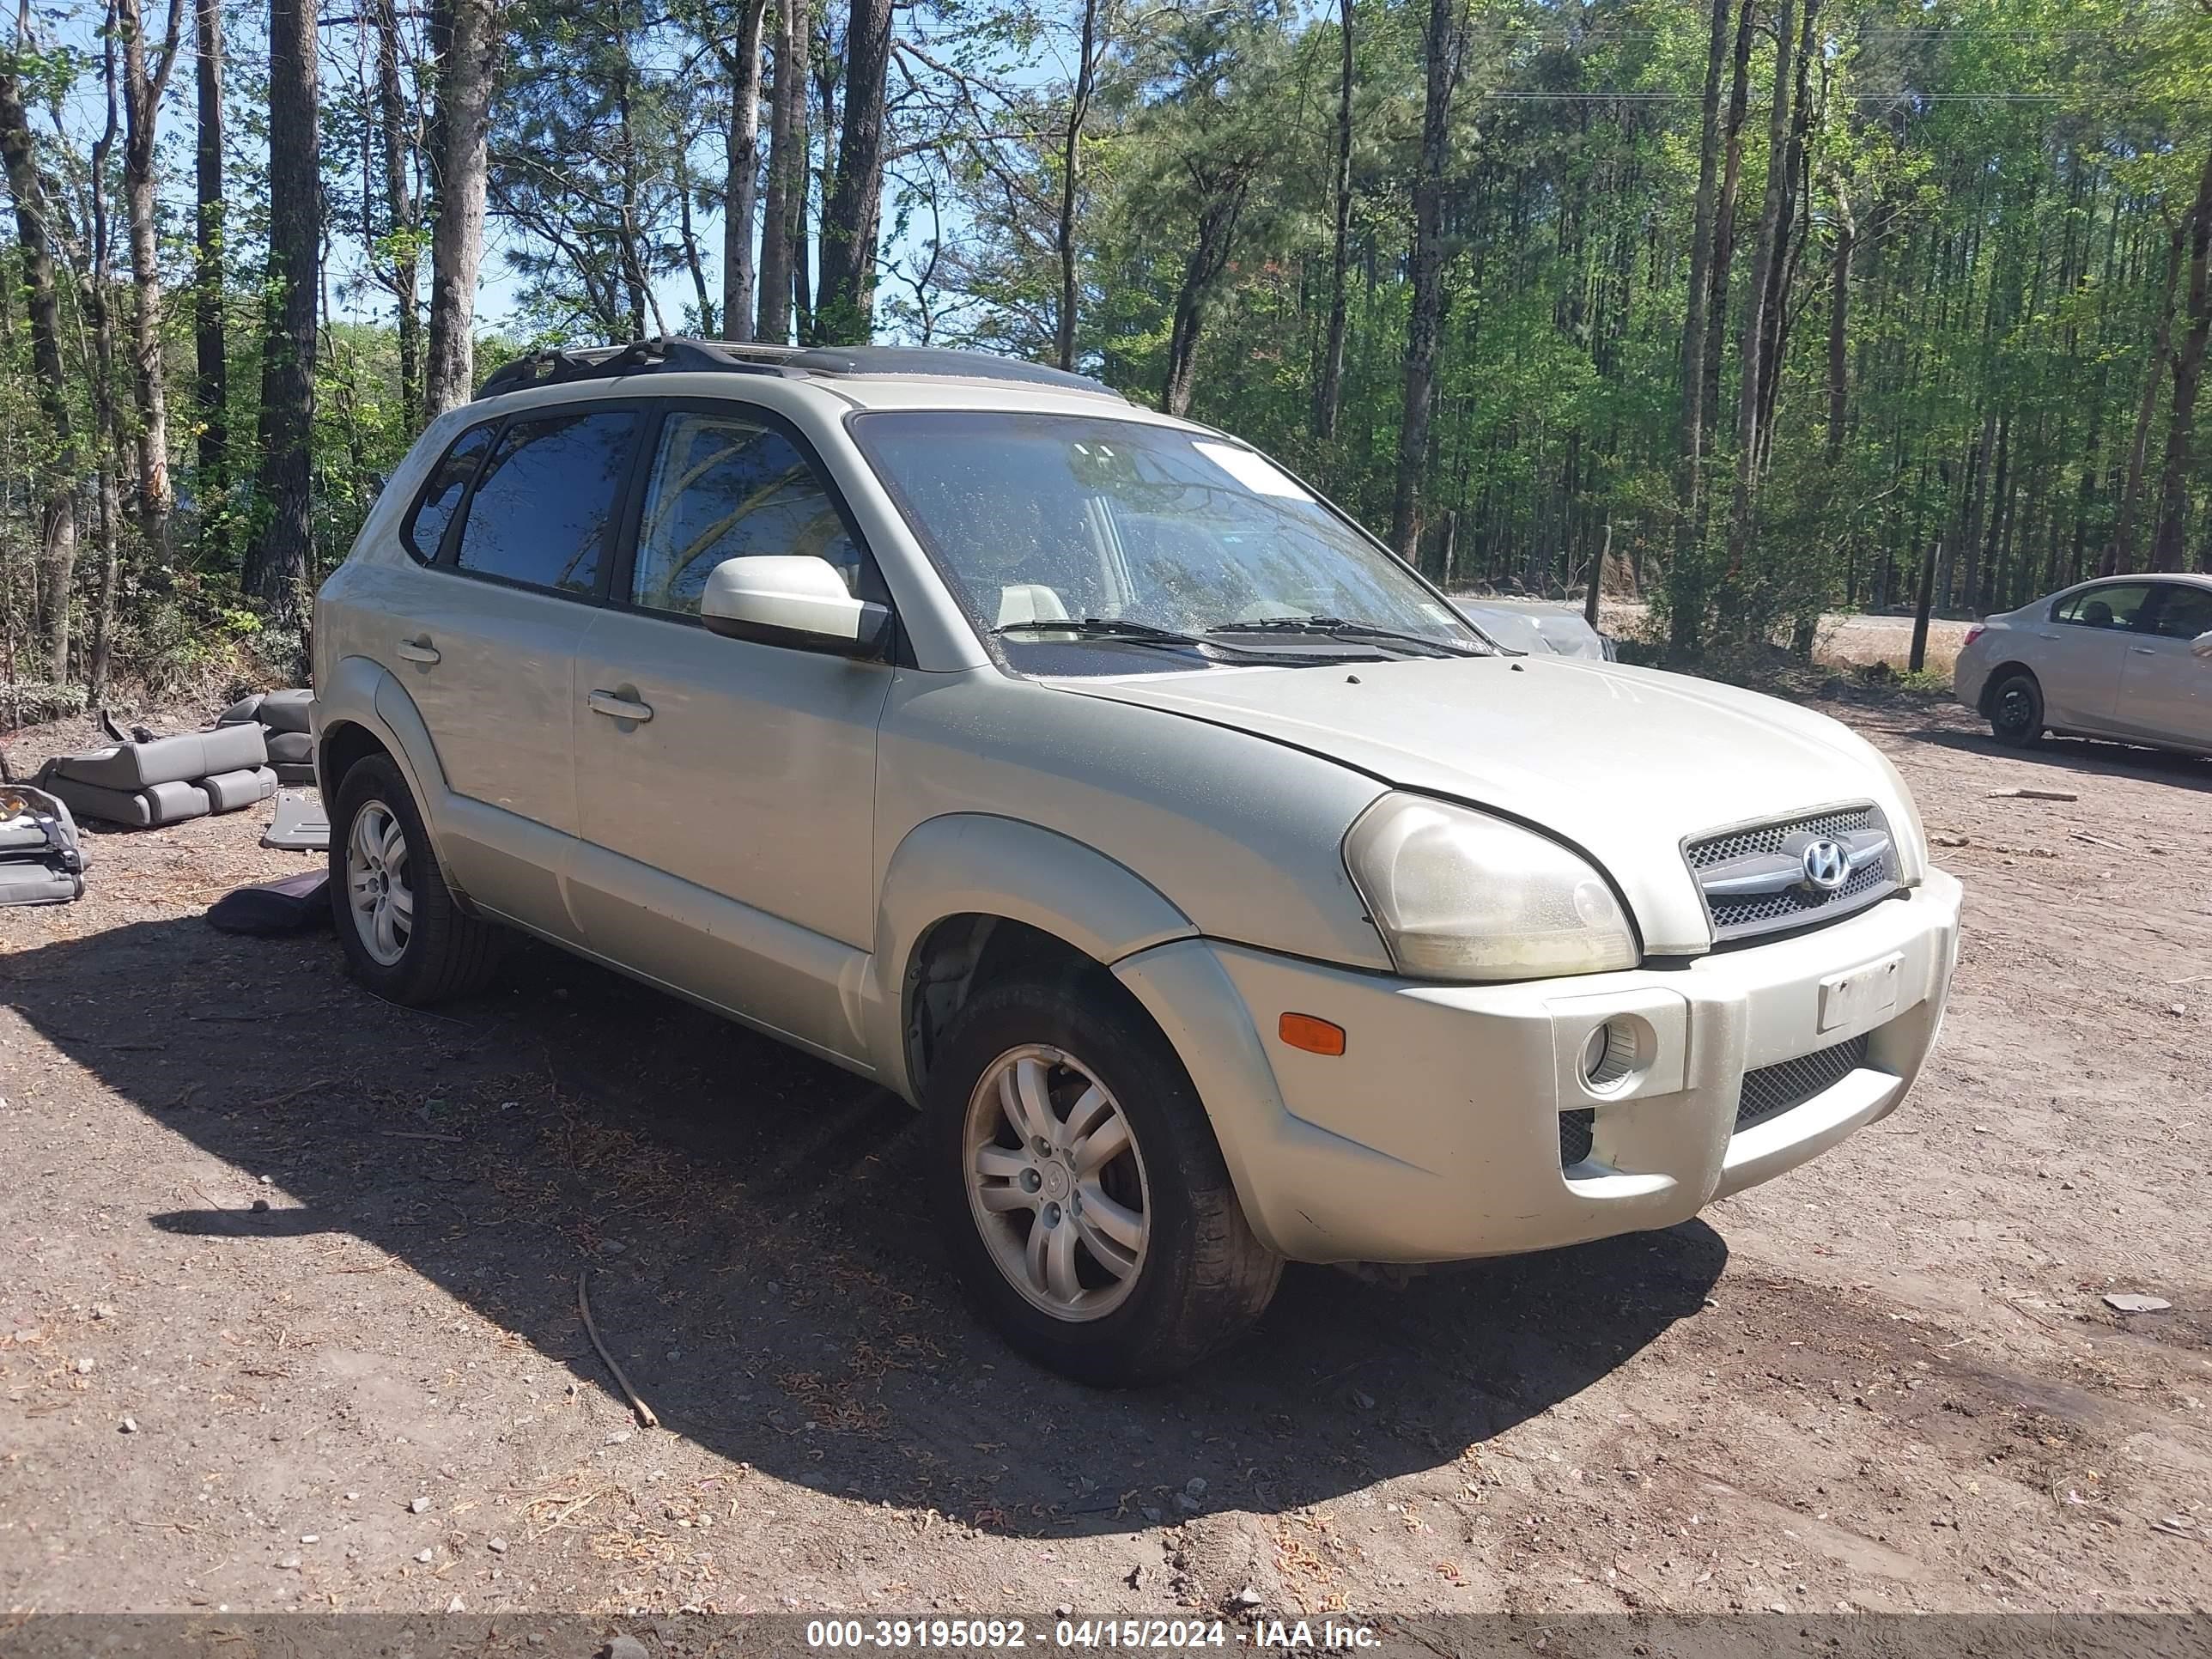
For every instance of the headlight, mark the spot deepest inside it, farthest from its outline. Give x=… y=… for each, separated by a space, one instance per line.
x=1459 y=895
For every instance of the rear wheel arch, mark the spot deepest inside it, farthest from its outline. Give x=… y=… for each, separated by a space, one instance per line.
x=1999 y=675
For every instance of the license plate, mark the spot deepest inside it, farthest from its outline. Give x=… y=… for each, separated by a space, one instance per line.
x=1863 y=997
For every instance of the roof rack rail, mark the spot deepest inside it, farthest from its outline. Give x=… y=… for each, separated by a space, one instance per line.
x=667 y=354
x=553 y=366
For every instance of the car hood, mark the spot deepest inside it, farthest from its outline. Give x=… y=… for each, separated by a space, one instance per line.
x=1624 y=762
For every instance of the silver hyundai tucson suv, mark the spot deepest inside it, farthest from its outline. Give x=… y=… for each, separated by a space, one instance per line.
x=1219 y=892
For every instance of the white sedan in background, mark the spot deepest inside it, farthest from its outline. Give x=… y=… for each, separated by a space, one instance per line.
x=2127 y=657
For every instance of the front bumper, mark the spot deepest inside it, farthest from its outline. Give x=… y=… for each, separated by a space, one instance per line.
x=1436 y=1135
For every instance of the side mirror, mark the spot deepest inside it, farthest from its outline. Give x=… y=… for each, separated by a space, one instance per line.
x=792 y=599
x=2201 y=646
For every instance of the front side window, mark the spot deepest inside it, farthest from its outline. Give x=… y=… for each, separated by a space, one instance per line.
x=2184 y=612
x=725 y=488
x=543 y=508
x=424 y=532
x=1034 y=518
x=2115 y=604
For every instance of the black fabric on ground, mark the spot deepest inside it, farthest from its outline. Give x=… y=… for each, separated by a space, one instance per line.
x=294 y=904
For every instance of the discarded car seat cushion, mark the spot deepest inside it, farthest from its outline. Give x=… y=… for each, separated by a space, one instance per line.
x=246 y=711
x=291 y=905
x=290 y=772
x=287 y=711
x=136 y=809
x=230 y=791
x=179 y=759
x=291 y=747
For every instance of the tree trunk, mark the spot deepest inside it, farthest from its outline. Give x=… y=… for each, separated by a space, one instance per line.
x=1078 y=108
x=1221 y=206
x=1424 y=325
x=2188 y=375
x=1691 y=444
x=1329 y=396
x=786 y=171
x=1755 y=293
x=741 y=194
x=405 y=273
x=212 y=387
x=278 y=561
x=106 y=418
x=146 y=77
x=468 y=43
x=845 y=312
x=57 y=518
x=1716 y=288
x=1840 y=300
x=2120 y=555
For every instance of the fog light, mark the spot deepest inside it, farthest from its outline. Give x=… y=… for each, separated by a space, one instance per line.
x=1609 y=1055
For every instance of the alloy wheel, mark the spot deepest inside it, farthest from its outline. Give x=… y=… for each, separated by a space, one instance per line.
x=377 y=890
x=1055 y=1183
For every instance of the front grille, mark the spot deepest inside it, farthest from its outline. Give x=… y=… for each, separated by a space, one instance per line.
x=1772 y=1089
x=1576 y=1129
x=1766 y=859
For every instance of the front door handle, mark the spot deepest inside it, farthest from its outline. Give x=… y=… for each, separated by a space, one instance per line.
x=618 y=708
x=2143 y=651
x=418 y=650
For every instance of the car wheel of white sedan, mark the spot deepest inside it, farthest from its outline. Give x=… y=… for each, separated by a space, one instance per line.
x=2015 y=707
x=1084 y=1198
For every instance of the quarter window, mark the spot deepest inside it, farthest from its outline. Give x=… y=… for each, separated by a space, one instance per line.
x=542 y=511
x=424 y=532
x=725 y=488
x=2116 y=605
x=2184 y=612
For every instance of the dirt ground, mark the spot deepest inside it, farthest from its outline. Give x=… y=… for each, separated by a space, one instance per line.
x=1889 y=1381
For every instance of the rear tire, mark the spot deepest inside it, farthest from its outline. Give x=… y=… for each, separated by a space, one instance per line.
x=1161 y=1269
x=403 y=936
x=2016 y=709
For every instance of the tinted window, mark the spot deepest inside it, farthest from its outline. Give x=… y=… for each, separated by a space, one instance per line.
x=542 y=510
x=724 y=488
x=2116 y=605
x=2186 y=612
x=425 y=528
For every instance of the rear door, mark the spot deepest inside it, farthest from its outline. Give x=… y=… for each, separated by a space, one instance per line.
x=2166 y=689
x=2081 y=650
x=725 y=789
x=524 y=561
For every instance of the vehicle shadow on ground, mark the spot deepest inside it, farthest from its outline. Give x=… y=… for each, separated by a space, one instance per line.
x=2091 y=755
x=762 y=1264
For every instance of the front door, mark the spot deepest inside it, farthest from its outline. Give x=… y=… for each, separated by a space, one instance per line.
x=490 y=664
x=2083 y=646
x=2166 y=689
x=725 y=789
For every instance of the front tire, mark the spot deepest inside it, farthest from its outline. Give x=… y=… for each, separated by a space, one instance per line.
x=2015 y=705
x=1081 y=1193
x=403 y=936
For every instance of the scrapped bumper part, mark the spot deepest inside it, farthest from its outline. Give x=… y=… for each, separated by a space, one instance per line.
x=1454 y=1124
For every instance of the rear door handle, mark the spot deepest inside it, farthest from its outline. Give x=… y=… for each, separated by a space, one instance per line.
x=2143 y=651
x=618 y=708
x=418 y=650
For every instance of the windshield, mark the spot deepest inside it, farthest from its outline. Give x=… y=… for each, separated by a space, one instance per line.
x=1038 y=519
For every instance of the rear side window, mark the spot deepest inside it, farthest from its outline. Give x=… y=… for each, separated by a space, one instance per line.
x=543 y=509
x=2185 y=613
x=424 y=532
x=725 y=488
x=2116 y=605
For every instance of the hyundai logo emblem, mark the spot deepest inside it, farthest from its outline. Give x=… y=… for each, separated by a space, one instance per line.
x=1827 y=866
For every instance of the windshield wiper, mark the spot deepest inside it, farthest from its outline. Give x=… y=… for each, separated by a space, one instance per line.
x=1339 y=627
x=1123 y=631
